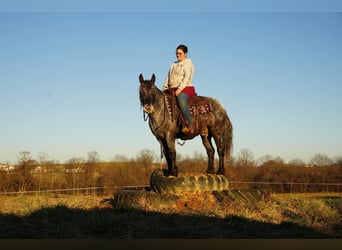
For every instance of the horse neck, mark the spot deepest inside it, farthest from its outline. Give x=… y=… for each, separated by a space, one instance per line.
x=159 y=111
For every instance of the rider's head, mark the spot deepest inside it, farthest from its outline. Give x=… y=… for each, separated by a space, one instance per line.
x=181 y=52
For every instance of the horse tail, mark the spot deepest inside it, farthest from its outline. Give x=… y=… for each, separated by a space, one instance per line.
x=228 y=140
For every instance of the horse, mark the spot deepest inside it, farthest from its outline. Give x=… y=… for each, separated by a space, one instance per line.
x=164 y=122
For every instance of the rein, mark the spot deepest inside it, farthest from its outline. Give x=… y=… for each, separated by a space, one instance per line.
x=144 y=116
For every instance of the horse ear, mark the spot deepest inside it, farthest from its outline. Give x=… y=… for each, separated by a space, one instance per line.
x=153 y=79
x=141 y=78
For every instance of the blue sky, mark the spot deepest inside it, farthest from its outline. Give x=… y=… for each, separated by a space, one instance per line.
x=69 y=79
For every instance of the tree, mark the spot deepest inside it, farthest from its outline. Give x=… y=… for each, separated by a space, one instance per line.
x=24 y=156
x=91 y=168
x=25 y=164
x=278 y=159
x=297 y=162
x=196 y=164
x=245 y=158
x=321 y=160
x=268 y=158
x=338 y=160
x=43 y=161
x=76 y=164
x=146 y=157
x=264 y=159
x=120 y=158
x=93 y=157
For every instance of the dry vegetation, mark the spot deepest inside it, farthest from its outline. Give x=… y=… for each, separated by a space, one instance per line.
x=297 y=207
x=316 y=215
x=76 y=175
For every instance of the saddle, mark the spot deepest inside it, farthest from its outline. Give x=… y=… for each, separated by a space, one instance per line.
x=198 y=106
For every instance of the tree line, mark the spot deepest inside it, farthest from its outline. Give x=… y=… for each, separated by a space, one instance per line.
x=93 y=176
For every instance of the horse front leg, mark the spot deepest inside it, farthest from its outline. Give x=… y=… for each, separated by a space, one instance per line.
x=221 y=169
x=210 y=153
x=169 y=150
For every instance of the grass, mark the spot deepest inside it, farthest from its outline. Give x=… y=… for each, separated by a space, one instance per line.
x=281 y=216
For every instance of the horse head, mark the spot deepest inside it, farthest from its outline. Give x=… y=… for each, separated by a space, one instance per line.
x=147 y=91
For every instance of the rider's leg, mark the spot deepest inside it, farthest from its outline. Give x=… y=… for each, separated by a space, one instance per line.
x=183 y=102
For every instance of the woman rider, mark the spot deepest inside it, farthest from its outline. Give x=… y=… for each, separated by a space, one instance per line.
x=179 y=78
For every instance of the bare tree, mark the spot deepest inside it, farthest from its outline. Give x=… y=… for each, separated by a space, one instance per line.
x=43 y=161
x=25 y=164
x=268 y=158
x=264 y=159
x=278 y=159
x=245 y=158
x=338 y=160
x=24 y=156
x=120 y=158
x=93 y=157
x=321 y=160
x=76 y=165
x=146 y=157
x=297 y=162
x=91 y=169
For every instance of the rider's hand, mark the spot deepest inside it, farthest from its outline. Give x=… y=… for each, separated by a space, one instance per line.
x=178 y=91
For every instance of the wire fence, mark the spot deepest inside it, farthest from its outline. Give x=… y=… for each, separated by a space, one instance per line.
x=276 y=187
x=288 y=187
x=65 y=190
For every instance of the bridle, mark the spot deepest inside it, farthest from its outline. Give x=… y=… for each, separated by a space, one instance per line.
x=153 y=124
x=145 y=117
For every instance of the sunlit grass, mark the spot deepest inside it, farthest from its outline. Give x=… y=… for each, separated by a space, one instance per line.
x=318 y=211
x=26 y=204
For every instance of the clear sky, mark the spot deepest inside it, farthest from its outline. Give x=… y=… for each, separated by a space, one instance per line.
x=69 y=75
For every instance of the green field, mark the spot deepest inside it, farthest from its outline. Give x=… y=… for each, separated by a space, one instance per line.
x=281 y=216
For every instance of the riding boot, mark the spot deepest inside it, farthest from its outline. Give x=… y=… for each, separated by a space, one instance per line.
x=183 y=102
x=187 y=128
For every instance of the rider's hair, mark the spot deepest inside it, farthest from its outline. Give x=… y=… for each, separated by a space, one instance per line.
x=183 y=47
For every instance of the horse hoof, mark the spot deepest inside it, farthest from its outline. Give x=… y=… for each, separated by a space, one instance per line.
x=211 y=171
x=173 y=175
x=170 y=173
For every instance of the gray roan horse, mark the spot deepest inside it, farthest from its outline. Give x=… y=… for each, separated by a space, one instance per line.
x=213 y=124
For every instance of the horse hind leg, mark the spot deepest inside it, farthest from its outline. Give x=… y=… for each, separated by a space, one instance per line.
x=206 y=140
x=224 y=145
x=221 y=154
x=221 y=170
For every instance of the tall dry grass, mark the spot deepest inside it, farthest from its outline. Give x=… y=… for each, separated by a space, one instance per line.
x=279 y=216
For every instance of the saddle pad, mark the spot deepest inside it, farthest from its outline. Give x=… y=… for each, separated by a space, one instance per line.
x=199 y=106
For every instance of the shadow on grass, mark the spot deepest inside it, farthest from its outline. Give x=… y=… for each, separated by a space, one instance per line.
x=62 y=222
